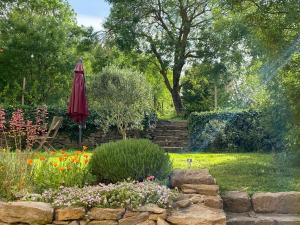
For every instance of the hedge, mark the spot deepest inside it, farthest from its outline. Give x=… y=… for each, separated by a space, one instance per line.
x=234 y=131
x=93 y=122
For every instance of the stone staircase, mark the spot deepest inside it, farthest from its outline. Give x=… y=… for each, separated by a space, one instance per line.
x=199 y=202
x=171 y=135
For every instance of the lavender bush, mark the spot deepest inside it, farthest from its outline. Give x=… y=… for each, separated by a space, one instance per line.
x=125 y=194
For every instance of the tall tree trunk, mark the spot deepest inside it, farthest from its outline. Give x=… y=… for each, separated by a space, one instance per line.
x=177 y=101
x=216 y=97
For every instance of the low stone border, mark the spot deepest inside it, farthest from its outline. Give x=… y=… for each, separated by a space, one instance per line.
x=262 y=202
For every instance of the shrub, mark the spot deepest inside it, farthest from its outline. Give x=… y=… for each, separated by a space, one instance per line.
x=15 y=174
x=235 y=131
x=135 y=159
x=126 y=194
x=93 y=122
x=123 y=96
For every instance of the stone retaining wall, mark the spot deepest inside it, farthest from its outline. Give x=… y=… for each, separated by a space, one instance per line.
x=282 y=208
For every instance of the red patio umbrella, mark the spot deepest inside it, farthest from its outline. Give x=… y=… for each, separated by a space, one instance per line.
x=78 y=106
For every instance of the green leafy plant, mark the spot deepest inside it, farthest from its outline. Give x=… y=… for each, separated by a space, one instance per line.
x=133 y=158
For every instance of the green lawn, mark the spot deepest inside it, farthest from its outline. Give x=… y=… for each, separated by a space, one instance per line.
x=249 y=172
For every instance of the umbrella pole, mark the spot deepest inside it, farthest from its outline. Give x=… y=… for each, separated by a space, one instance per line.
x=80 y=134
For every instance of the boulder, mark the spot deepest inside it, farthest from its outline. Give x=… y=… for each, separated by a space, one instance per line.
x=103 y=222
x=197 y=215
x=190 y=176
x=281 y=202
x=106 y=214
x=202 y=189
x=33 y=213
x=69 y=213
x=236 y=201
x=135 y=219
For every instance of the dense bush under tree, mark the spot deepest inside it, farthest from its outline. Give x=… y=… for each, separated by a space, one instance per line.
x=136 y=159
x=235 y=131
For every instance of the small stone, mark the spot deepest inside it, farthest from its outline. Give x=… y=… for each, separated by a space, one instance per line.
x=83 y=222
x=202 y=189
x=134 y=220
x=151 y=208
x=236 y=201
x=106 y=214
x=69 y=213
x=156 y=216
x=147 y=222
x=58 y=222
x=162 y=222
x=74 y=223
x=103 y=222
x=183 y=203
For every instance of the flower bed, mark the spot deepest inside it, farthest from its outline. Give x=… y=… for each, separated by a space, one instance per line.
x=127 y=194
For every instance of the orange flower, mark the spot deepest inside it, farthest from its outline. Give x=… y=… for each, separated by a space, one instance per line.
x=78 y=152
x=55 y=164
x=84 y=148
x=86 y=161
x=52 y=152
x=86 y=156
x=29 y=162
x=61 y=168
x=61 y=159
x=42 y=158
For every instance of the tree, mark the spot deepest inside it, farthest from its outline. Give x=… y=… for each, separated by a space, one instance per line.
x=122 y=96
x=175 y=32
x=38 y=41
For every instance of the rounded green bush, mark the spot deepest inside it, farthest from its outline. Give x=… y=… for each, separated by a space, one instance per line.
x=134 y=158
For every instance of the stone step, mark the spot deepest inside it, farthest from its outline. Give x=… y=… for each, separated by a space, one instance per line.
x=173 y=149
x=197 y=215
x=170 y=128
x=202 y=189
x=169 y=122
x=265 y=219
x=180 y=177
x=209 y=201
x=170 y=143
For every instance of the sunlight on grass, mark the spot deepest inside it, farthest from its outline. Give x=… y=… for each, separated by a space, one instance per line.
x=250 y=172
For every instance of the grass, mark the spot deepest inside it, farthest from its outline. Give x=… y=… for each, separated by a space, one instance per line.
x=251 y=172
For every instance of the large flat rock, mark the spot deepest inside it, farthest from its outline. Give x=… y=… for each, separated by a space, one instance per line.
x=190 y=176
x=197 y=215
x=262 y=219
x=33 y=213
x=280 y=202
x=202 y=189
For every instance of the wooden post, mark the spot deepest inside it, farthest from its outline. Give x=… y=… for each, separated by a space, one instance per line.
x=23 y=90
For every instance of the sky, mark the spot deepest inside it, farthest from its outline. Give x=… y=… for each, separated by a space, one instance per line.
x=90 y=12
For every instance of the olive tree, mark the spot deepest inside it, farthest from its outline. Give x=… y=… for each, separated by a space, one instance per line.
x=121 y=96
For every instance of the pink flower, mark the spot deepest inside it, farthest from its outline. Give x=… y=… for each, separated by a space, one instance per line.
x=150 y=178
x=16 y=123
x=2 y=119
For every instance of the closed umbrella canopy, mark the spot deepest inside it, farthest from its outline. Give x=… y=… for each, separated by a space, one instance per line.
x=78 y=106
